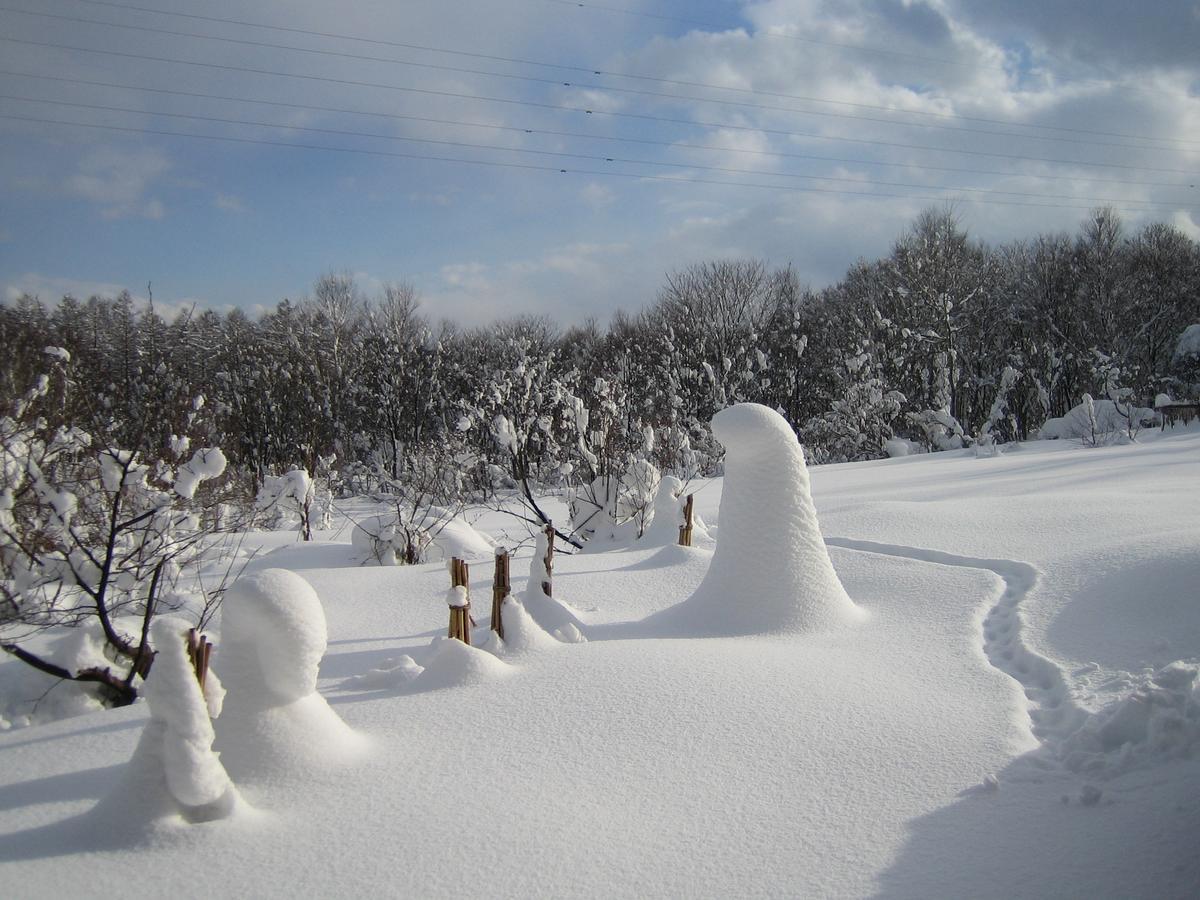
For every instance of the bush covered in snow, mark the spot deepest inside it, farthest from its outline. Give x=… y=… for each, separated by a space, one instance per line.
x=1097 y=422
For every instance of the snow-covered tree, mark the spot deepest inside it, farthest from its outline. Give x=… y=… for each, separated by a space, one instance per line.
x=96 y=538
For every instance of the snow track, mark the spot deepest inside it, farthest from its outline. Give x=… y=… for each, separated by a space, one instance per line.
x=1053 y=715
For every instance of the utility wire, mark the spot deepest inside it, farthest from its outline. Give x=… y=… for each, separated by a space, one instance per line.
x=585 y=110
x=861 y=48
x=713 y=26
x=535 y=168
x=582 y=135
x=1094 y=201
x=593 y=70
x=533 y=79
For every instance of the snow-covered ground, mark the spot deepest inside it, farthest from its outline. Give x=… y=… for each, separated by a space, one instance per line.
x=982 y=718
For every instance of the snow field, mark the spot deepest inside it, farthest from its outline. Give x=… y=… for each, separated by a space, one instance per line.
x=911 y=754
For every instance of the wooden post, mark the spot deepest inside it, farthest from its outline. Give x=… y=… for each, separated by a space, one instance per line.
x=460 y=616
x=501 y=588
x=548 y=584
x=685 y=530
x=199 y=650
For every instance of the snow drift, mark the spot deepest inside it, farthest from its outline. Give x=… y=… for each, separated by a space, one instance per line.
x=770 y=572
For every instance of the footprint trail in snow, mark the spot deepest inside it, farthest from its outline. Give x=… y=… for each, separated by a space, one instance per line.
x=1157 y=720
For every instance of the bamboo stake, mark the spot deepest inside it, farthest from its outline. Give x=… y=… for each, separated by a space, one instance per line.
x=685 y=530
x=460 y=616
x=501 y=588
x=199 y=650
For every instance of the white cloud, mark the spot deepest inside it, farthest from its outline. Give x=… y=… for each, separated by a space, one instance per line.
x=597 y=195
x=229 y=203
x=117 y=180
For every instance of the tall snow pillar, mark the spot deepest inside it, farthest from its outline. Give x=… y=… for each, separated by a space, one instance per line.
x=770 y=572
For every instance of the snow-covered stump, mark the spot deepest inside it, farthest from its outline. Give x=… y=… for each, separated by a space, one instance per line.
x=458 y=598
x=770 y=572
x=174 y=772
x=501 y=589
x=275 y=725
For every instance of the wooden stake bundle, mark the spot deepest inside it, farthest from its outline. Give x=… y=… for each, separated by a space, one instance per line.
x=685 y=530
x=548 y=585
x=460 y=616
x=501 y=588
x=199 y=650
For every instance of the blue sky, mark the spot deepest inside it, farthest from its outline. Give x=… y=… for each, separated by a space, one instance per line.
x=1061 y=105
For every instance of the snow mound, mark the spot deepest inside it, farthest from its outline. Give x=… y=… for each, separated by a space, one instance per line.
x=180 y=720
x=522 y=635
x=770 y=571
x=1076 y=424
x=668 y=515
x=1158 y=721
x=454 y=664
x=273 y=622
x=274 y=722
x=378 y=538
x=174 y=775
x=549 y=612
x=393 y=673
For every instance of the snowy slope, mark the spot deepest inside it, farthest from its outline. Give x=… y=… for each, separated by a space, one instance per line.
x=923 y=752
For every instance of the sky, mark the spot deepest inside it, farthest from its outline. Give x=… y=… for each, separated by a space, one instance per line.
x=510 y=157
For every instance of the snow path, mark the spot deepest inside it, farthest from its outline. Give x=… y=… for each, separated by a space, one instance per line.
x=1053 y=715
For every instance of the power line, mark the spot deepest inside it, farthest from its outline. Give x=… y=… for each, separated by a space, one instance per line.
x=532 y=79
x=841 y=45
x=582 y=135
x=571 y=3
x=535 y=168
x=1094 y=201
x=586 y=110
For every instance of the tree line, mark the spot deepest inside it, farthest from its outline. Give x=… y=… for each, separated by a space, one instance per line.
x=128 y=442
x=944 y=341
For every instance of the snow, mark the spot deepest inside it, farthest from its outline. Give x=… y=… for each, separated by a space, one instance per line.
x=548 y=611
x=669 y=501
x=522 y=635
x=275 y=723
x=1108 y=419
x=1188 y=344
x=179 y=735
x=454 y=664
x=771 y=572
x=379 y=537
x=204 y=464
x=1016 y=717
